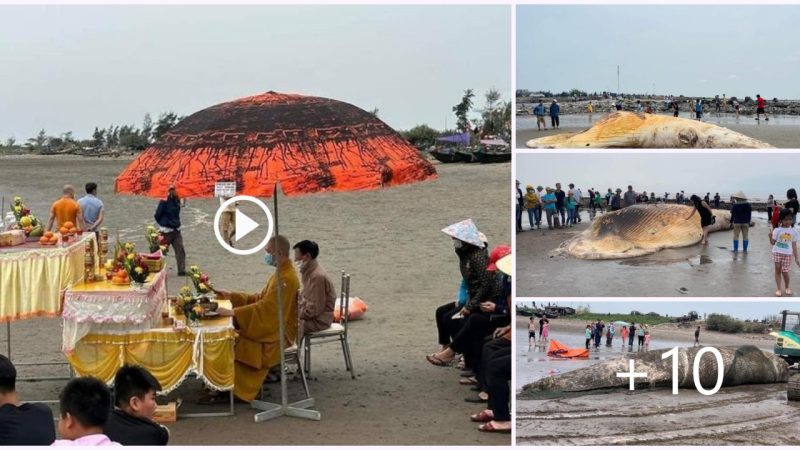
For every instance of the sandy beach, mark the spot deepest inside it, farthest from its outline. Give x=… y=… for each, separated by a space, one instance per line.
x=401 y=265
x=741 y=415
x=779 y=131
x=712 y=270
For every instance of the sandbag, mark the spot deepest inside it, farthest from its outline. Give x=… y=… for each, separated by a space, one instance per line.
x=355 y=310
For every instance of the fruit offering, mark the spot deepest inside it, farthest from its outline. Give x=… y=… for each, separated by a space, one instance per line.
x=25 y=220
x=202 y=284
x=48 y=239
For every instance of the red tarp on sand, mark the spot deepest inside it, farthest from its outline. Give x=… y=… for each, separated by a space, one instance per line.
x=308 y=144
x=559 y=350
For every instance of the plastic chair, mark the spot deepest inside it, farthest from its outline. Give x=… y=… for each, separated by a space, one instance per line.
x=337 y=332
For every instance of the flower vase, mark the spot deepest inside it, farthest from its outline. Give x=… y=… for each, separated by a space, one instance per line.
x=137 y=286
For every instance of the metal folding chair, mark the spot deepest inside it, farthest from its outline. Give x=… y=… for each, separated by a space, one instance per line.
x=337 y=332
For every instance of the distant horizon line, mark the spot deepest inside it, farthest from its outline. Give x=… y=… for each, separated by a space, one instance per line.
x=656 y=95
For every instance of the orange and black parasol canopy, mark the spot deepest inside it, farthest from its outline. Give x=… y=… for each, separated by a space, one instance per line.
x=308 y=144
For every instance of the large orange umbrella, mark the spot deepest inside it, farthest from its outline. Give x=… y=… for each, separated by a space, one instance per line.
x=295 y=143
x=307 y=144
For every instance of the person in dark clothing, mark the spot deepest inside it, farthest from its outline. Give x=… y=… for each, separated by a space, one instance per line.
x=741 y=214
x=473 y=257
x=555 y=111
x=716 y=200
x=561 y=197
x=131 y=422
x=22 y=423
x=498 y=379
x=491 y=313
x=520 y=207
x=697 y=337
x=792 y=204
x=706 y=216
x=598 y=333
x=631 y=336
x=168 y=218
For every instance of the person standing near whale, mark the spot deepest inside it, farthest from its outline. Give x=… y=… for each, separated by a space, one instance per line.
x=706 y=216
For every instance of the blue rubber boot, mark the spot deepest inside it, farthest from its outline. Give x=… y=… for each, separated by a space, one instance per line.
x=736 y=246
x=744 y=245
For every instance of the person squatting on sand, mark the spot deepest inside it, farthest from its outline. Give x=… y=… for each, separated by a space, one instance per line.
x=477 y=326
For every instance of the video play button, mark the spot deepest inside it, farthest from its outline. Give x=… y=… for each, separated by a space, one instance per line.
x=244 y=224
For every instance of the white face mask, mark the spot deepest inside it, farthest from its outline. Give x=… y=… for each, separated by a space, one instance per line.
x=457 y=244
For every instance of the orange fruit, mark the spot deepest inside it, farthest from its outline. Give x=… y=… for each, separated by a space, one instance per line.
x=44 y=240
x=121 y=273
x=53 y=239
x=69 y=225
x=63 y=230
x=73 y=230
x=117 y=280
x=48 y=234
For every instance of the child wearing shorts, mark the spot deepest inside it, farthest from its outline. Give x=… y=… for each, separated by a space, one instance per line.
x=784 y=248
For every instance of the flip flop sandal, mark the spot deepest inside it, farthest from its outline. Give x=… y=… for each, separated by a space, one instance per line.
x=488 y=427
x=469 y=381
x=213 y=399
x=437 y=362
x=476 y=399
x=482 y=416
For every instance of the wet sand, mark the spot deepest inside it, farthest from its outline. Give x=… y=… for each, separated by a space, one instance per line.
x=712 y=270
x=741 y=415
x=401 y=265
x=779 y=131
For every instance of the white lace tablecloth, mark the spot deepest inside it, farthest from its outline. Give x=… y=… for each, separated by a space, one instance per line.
x=98 y=311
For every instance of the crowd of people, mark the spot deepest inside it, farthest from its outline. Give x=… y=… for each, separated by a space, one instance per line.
x=695 y=107
x=475 y=330
x=89 y=414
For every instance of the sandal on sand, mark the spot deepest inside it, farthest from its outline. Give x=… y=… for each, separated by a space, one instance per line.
x=778 y=293
x=483 y=416
x=482 y=397
x=215 y=398
x=433 y=359
x=468 y=381
x=490 y=427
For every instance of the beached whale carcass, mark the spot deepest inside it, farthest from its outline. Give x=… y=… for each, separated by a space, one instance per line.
x=637 y=130
x=641 y=230
x=745 y=364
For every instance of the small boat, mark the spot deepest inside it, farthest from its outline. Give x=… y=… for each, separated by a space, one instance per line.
x=491 y=157
x=448 y=155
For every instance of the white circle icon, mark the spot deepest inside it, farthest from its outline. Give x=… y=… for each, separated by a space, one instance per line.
x=244 y=224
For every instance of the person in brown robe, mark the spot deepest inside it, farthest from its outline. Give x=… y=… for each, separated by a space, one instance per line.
x=254 y=315
x=318 y=295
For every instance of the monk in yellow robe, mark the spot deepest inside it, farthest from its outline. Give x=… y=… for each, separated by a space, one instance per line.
x=255 y=316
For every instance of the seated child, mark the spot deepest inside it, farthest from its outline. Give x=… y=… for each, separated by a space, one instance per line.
x=131 y=422
x=85 y=406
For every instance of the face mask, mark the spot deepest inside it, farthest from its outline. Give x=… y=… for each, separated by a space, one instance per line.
x=269 y=260
x=457 y=244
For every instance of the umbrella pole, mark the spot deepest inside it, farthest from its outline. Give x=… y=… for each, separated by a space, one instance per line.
x=296 y=409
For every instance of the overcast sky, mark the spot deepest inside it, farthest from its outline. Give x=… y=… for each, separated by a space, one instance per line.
x=742 y=310
x=758 y=175
x=75 y=67
x=684 y=49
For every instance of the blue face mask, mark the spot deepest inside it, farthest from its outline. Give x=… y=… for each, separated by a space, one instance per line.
x=269 y=260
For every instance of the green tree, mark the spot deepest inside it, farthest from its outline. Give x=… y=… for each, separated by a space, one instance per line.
x=462 y=109
x=147 y=128
x=374 y=112
x=165 y=122
x=421 y=136
x=98 y=138
x=11 y=141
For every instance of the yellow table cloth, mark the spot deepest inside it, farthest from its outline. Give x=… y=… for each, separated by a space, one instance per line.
x=169 y=354
x=32 y=277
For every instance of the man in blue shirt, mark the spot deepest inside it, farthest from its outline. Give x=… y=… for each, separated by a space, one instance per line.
x=539 y=112
x=555 y=110
x=92 y=208
x=168 y=218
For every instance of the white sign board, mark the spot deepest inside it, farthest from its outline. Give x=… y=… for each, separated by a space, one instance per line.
x=225 y=189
